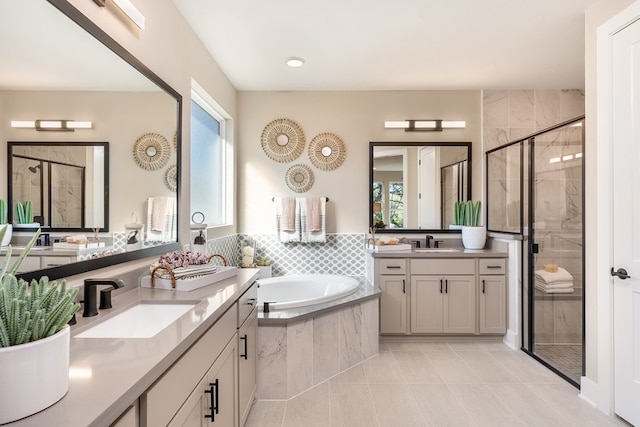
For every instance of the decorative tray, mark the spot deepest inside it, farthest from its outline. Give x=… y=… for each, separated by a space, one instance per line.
x=78 y=246
x=188 y=282
x=389 y=248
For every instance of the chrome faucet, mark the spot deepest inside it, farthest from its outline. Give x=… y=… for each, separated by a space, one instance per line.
x=427 y=240
x=90 y=294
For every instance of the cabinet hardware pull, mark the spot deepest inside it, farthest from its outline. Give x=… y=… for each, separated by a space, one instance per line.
x=213 y=400
x=483 y=286
x=393 y=266
x=446 y=286
x=244 y=338
x=494 y=266
x=440 y=285
x=251 y=301
x=404 y=289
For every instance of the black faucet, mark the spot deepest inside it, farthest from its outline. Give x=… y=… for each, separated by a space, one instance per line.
x=90 y=294
x=427 y=240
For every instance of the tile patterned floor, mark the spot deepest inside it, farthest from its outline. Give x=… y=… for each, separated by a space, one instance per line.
x=437 y=384
x=566 y=358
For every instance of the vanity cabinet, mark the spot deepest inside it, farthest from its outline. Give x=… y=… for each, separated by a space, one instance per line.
x=247 y=350
x=213 y=402
x=175 y=398
x=447 y=296
x=393 y=300
x=493 y=296
x=444 y=302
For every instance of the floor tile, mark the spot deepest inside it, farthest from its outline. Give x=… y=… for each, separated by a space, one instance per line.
x=395 y=406
x=487 y=367
x=416 y=368
x=483 y=406
x=439 y=406
x=353 y=375
x=266 y=413
x=309 y=409
x=530 y=409
x=352 y=406
x=452 y=368
x=383 y=370
x=526 y=368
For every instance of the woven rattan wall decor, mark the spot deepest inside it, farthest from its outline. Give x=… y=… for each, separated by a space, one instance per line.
x=151 y=151
x=282 y=140
x=327 y=151
x=299 y=178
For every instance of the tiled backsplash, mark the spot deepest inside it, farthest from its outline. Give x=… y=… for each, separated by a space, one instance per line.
x=340 y=254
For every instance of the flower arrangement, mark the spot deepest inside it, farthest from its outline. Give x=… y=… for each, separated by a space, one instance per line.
x=178 y=259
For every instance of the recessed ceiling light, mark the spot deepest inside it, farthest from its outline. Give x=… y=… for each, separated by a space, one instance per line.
x=295 y=62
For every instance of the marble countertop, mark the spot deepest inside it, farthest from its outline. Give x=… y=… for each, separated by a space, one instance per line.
x=107 y=375
x=434 y=253
x=52 y=251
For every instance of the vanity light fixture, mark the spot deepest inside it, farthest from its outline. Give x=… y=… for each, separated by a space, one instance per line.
x=128 y=9
x=425 y=125
x=295 y=62
x=51 y=125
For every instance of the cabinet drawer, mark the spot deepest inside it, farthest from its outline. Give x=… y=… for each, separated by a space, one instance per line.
x=55 y=261
x=441 y=266
x=161 y=402
x=247 y=302
x=29 y=263
x=393 y=266
x=492 y=266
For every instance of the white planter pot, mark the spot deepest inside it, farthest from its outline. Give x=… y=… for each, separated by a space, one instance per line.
x=265 y=271
x=7 y=235
x=474 y=237
x=33 y=376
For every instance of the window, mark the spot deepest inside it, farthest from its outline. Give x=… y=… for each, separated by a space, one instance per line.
x=396 y=204
x=211 y=160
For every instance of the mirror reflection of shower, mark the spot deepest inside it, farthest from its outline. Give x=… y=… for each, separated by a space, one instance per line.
x=56 y=188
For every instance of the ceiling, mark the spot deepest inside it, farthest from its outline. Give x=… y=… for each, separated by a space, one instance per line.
x=394 y=45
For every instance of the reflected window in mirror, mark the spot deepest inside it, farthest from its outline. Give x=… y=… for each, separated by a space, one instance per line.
x=413 y=185
x=211 y=160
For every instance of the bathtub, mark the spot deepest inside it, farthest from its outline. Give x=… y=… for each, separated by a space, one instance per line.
x=295 y=291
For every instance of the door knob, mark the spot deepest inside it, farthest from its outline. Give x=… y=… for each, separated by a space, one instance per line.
x=621 y=273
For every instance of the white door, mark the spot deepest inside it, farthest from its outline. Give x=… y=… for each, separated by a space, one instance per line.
x=429 y=189
x=626 y=215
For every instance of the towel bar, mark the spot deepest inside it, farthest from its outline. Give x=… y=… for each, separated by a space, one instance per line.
x=273 y=199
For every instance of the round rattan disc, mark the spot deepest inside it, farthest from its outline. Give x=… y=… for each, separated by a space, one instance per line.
x=299 y=178
x=327 y=151
x=151 y=151
x=171 y=178
x=282 y=140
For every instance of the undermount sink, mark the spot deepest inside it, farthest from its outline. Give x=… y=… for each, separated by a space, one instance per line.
x=143 y=320
x=436 y=250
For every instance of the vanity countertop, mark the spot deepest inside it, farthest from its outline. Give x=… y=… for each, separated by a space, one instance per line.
x=108 y=374
x=443 y=253
x=52 y=251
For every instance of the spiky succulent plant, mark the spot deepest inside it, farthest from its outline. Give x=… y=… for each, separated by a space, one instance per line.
x=3 y=211
x=24 y=212
x=30 y=312
x=467 y=213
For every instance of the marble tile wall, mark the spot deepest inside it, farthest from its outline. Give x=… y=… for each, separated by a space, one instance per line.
x=296 y=357
x=509 y=115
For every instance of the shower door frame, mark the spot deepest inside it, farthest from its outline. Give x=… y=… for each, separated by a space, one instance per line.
x=527 y=256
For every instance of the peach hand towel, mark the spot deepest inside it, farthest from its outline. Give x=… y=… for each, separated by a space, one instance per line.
x=288 y=219
x=314 y=222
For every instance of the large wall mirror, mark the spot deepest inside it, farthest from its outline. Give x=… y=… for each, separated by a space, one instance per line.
x=414 y=185
x=57 y=64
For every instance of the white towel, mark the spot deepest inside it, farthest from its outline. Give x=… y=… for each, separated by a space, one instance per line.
x=548 y=290
x=550 y=278
x=165 y=209
x=309 y=236
x=556 y=285
x=287 y=235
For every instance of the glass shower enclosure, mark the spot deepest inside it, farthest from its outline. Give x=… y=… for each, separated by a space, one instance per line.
x=535 y=191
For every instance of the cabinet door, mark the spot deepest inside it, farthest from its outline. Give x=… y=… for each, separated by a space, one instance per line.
x=427 y=294
x=459 y=305
x=247 y=358
x=393 y=304
x=493 y=305
x=214 y=400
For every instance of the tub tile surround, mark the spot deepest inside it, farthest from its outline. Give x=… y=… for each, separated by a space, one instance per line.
x=293 y=358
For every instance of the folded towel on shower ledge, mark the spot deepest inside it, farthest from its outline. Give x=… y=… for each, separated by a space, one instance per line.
x=550 y=278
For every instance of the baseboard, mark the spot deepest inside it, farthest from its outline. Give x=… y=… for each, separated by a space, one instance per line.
x=512 y=340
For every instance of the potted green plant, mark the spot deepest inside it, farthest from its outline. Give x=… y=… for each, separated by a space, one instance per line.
x=33 y=334
x=474 y=236
x=4 y=224
x=24 y=215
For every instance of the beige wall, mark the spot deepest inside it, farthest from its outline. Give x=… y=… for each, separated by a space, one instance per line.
x=357 y=118
x=169 y=47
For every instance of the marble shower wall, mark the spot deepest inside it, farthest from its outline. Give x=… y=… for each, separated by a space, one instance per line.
x=509 y=115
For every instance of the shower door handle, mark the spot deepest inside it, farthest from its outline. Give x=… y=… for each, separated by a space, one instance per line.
x=620 y=273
